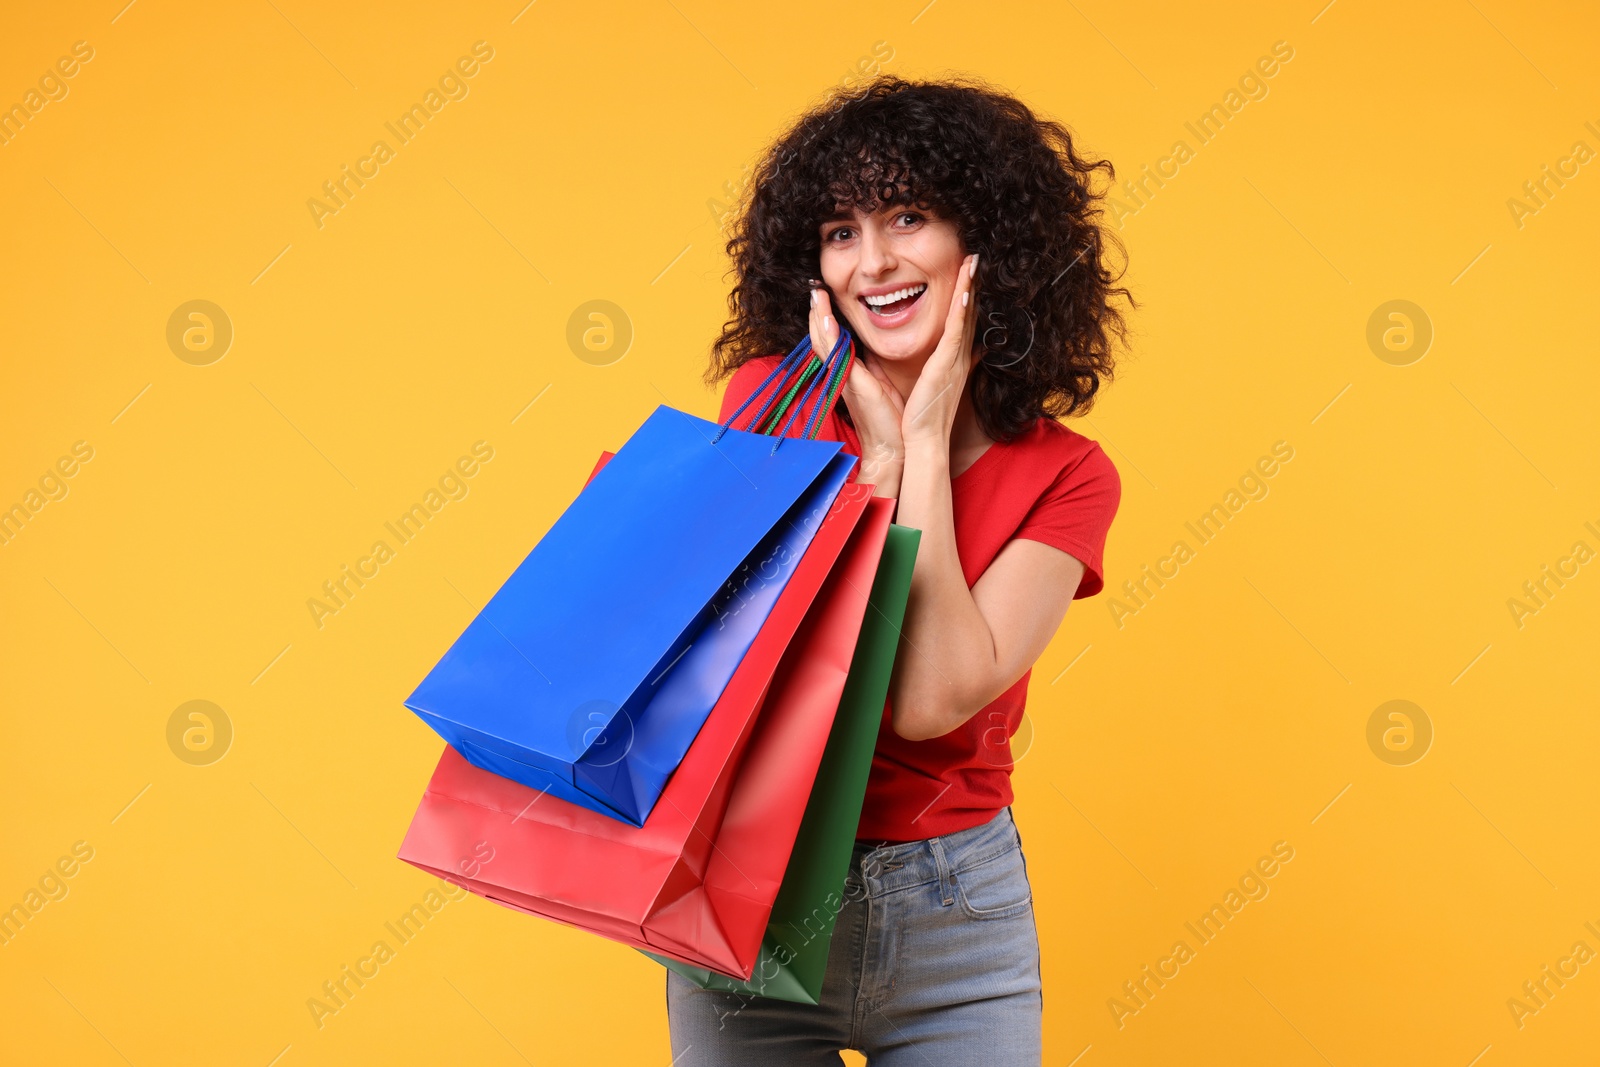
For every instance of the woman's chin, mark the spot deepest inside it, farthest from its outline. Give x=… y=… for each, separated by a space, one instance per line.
x=891 y=345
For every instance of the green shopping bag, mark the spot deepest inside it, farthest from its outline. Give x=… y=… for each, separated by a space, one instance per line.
x=794 y=952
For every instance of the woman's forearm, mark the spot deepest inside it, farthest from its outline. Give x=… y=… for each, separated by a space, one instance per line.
x=946 y=659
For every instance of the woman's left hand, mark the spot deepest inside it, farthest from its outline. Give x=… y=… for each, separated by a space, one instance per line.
x=930 y=410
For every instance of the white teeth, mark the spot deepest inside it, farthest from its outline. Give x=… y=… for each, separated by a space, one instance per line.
x=898 y=294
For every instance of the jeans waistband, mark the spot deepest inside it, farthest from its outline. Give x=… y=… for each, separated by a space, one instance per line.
x=886 y=868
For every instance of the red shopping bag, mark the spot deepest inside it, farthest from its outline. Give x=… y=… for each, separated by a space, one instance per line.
x=646 y=886
x=773 y=782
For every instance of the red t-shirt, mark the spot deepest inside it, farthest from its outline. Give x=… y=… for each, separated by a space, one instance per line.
x=1049 y=484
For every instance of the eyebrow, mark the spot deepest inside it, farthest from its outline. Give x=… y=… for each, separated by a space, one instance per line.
x=848 y=215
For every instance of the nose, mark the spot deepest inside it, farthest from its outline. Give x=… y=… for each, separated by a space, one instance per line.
x=877 y=255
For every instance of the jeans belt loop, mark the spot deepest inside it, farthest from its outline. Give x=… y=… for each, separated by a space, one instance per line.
x=942 y=862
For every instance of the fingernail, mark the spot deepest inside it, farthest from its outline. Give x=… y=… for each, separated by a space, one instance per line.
x=813 y=298
x=827 y=322
x=972 y=272
x=964 y=299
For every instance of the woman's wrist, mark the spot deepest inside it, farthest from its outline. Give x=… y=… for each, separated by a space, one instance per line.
x=883 y=475
x=925 y=474
x=925 y=453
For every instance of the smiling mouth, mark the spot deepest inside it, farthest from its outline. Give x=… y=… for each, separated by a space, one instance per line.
x=894 y=303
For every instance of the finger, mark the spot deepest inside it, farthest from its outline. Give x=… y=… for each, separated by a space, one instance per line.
x=961 y=304
x=866 y=386
x=855 y=382
x=959 y=320
x=875 y=369
x=963 y=354
x=972 y=311
x=824 y=329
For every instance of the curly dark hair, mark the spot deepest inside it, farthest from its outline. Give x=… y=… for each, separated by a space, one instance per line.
x=1015 y=186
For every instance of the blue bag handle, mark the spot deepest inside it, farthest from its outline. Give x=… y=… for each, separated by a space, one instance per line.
x=787 y=366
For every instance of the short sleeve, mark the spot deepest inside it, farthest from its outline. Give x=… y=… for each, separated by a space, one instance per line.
x=1075 y=515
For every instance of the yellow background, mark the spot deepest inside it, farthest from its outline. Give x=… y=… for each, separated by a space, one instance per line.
x=1229 y=713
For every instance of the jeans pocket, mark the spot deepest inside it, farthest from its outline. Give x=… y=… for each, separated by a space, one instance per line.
x=997 y=888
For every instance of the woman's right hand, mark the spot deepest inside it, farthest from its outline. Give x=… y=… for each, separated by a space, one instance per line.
x=876 y=406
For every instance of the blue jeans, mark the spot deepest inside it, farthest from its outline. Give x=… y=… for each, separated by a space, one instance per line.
x=934 y=963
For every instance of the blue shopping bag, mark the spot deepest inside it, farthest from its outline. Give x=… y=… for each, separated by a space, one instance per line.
x=591 y=670
x=627 y=760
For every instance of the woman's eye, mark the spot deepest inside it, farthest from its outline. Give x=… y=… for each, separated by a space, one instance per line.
x=910 y=218
x=841 y=234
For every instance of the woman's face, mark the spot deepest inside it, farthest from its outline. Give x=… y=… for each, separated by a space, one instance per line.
x=897 y=251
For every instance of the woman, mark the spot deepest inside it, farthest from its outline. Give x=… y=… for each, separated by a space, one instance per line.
x=958 y=236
